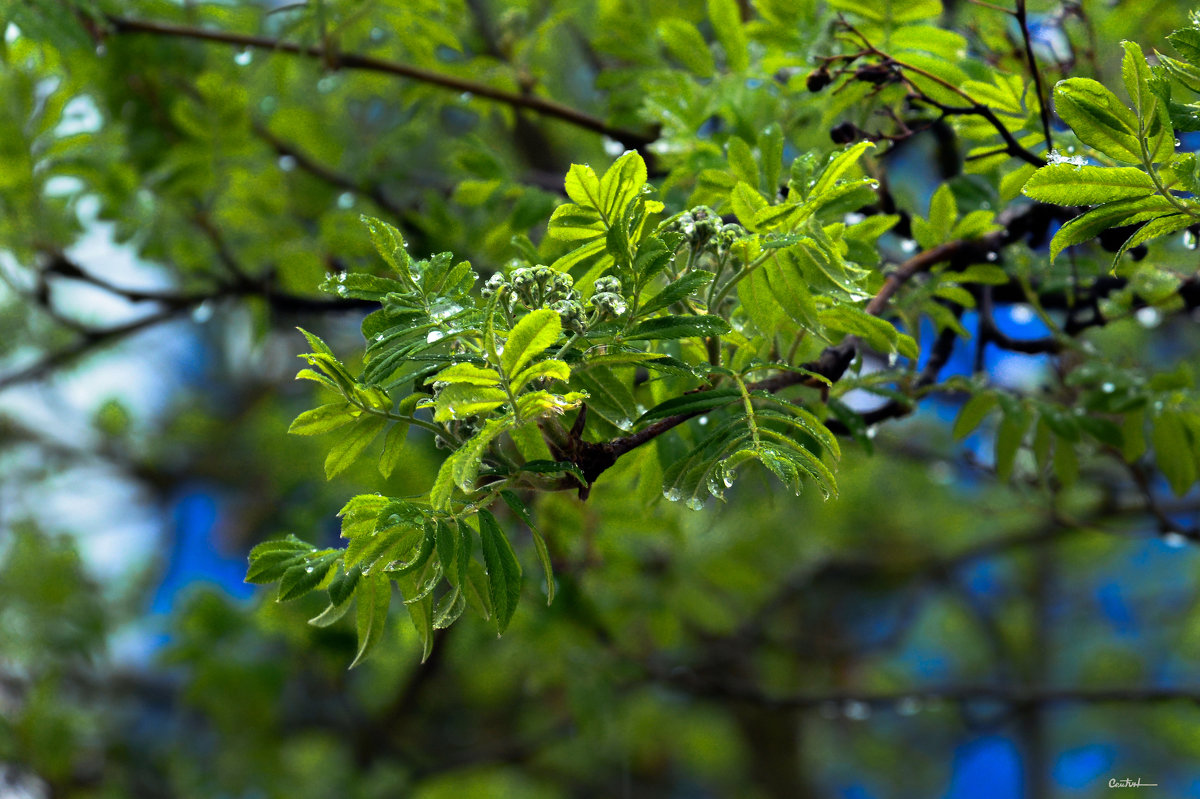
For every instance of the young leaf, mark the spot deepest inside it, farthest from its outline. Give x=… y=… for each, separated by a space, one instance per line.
x=1067 y=184
x=534 y=333
x=1099 y=119
x=351 y=445
x=503 y=571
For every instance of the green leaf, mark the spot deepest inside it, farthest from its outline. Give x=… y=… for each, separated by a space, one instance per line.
x=741 y=161
x=972 y=414
x=518 y=507
x=726 y=20
x=503 y=571
x=1067 y=184
x=1187 y=42
x=675 y=291
x=468 y=373
x=421 y=613
x=1163 y=226
x=1099 y=119
x=841 y=163
x=608 y=396
x=393 y=448
x=351 y=445
x=390 y=245
x=305 y=577
x=324 y=418
x=686 y=45
x=461 y=400
x=747 y=202
x=1173 y=450
x=582 y=186
x=621 y=183
x=1114 y=214
x=693 y=403
x=373 y=598
x=677 y=327
x=533 y=334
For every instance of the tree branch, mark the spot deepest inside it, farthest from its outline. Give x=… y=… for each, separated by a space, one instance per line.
x=538 y=105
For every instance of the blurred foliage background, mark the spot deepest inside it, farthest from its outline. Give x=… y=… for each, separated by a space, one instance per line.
x=168 y=206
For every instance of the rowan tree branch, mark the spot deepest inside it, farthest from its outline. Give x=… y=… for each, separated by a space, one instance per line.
x=538 y=105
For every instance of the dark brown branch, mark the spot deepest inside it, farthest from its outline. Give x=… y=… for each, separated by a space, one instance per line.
x=1043 y=103
x=371 y=191
x=538 y=105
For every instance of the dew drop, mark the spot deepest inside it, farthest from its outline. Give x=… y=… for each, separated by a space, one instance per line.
x=287 y=163
x=1175 y=540
x=673 y=494
x=695 y=503
x=345 y=200
x=309 y=570
x=703 y=420
x=244 y=58
x=434 y=335
x=202 y=312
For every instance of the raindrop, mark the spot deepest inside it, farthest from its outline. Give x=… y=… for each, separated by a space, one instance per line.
x=434 y=335
x=908 y=245
x=345 y=200
x=287 y=163
x=695 y=503
x=1108 y=388
x=309 y=570
x=673 y=494
x=244 y=58
x=703 y=420
x=1175 y=540
x=1148 y=317
x=202 y=312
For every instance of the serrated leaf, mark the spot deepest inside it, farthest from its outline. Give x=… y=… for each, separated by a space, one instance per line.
x=518 y=507
x=1067 y=184
x=324 y=418
x=528 y=338
x=372 y=600
x=1099 y=119
x=675 y=291
x=686 y=45
x=352 y=444
x=468 y=373
x=677 y=327
x=503 y=571
x=1114 y=214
